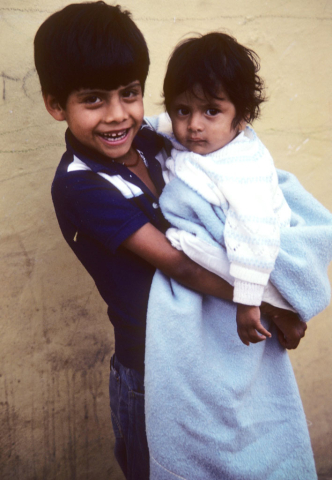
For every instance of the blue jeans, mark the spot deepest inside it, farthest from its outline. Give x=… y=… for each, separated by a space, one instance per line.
x=126 y=389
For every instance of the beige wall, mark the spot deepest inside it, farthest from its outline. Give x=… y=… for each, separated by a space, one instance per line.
x=55 y=339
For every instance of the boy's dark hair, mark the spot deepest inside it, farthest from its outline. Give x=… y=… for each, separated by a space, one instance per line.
x=89 y=45
x=212 y=61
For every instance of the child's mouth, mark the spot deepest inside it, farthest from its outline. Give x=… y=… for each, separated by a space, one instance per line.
x=114 y=137
x=196 y=140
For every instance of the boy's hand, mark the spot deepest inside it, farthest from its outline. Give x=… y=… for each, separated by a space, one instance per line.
x=249 y=325
x=289 y=326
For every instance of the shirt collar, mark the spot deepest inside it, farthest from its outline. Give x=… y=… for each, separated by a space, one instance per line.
x=146 y=140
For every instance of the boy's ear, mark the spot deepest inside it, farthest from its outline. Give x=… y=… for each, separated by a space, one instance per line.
x=53 y=107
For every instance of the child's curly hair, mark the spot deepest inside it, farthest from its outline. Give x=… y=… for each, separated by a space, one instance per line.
x=213 y=61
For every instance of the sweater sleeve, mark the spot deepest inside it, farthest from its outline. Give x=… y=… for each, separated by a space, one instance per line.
x=252 y=232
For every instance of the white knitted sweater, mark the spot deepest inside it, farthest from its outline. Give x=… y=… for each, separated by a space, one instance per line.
x=241 y=179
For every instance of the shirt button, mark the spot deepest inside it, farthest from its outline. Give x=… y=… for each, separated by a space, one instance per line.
x=155 y=205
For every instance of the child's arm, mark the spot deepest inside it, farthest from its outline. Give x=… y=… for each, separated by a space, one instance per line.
x=256 y=210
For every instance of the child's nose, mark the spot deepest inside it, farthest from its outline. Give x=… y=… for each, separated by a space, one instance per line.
x=195 y=123
x=115 y=112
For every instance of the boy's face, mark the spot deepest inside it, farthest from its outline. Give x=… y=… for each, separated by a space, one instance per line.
x=203 y=124
x=106 y=120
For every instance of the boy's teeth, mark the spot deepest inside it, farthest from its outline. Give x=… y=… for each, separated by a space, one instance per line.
x=117 y=135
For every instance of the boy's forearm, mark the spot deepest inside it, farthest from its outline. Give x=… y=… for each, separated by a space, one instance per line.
x=150 y=244
x=197 y=278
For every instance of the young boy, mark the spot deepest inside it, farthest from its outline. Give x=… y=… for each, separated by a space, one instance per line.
x=92 y=62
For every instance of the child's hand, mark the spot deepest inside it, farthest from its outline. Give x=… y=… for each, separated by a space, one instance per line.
x=289 y=326
x=249 y=325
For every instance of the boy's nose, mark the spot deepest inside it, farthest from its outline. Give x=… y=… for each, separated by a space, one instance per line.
x=195 y=123
x=115 y=112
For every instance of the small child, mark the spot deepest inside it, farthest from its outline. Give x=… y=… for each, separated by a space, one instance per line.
x=214 y=409
x=211 y=92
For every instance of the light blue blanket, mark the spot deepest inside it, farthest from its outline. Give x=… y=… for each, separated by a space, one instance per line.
x=216 y=409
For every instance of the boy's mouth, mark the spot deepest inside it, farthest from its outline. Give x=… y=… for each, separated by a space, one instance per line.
x=114 y=136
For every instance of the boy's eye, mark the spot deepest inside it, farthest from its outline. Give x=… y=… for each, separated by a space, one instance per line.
x=212 y=112
x=92 y=99
x=130 y=93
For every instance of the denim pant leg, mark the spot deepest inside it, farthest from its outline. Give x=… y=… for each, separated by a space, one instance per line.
x=126 y=389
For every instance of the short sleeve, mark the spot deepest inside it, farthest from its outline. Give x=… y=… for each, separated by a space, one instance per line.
x=96 y=208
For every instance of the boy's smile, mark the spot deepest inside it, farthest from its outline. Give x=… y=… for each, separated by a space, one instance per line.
x=106 y=120
x=203 y=124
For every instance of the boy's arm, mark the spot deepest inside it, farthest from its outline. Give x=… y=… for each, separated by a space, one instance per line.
x=289 y=326
x=152 y=245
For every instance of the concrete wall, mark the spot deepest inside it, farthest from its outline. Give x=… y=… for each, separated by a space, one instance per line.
x=55 y=339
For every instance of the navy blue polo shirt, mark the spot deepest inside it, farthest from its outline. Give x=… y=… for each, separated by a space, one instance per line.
x=99 y=203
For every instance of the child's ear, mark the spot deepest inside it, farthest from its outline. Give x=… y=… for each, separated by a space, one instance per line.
x=53 y=107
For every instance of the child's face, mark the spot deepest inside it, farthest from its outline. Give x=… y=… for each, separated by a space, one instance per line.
x=203 y=124
x=106 y=120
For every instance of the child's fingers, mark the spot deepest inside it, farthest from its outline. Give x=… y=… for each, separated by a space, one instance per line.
x=243 y=336
x=255 y=337
x=252 y=336
x=263 y=331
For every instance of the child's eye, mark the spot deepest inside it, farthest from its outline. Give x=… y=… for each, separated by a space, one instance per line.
x=212 y=112
x=183 y=111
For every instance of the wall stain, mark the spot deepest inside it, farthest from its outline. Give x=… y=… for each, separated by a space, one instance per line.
x=29 y=261
x=185 y=18
x=33 y=441
x=71 y=425
x=86 y=425
x=22 y=80
x=12 y=424
x=5 y=77
x=29 y=10
x=64 y=428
